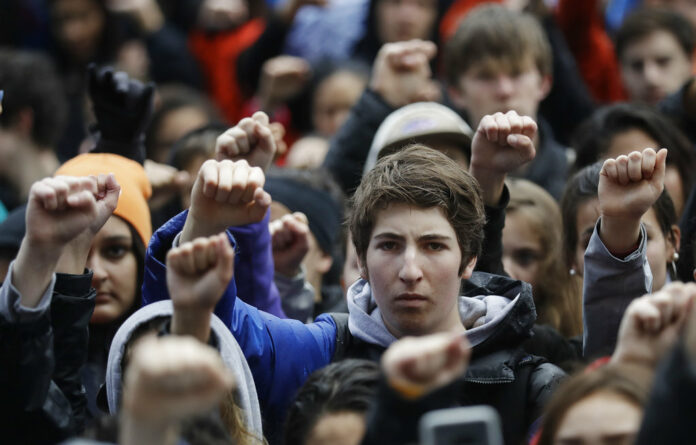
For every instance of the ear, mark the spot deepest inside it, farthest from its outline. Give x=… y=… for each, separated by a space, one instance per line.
x=24 y=122
x=363 y=270
x=324 y=263
x=469 y=268
x=545 y=87
x=457 y=96
x=673 y=241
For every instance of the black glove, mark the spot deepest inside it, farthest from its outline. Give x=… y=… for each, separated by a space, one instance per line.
x=123 y=108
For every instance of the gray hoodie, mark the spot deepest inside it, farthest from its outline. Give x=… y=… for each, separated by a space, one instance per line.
x=480 y=315
x=229 y=350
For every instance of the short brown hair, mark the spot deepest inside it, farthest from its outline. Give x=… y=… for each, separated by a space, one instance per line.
x=494 y=32
x=425 y=178
x=646 y=21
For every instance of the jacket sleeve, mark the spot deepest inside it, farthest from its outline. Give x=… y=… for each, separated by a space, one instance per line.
x=491 y=258
x=71 y=309
x=394 y=419
x=32 y=408
x=609 y=286
x=350 y=146
x=253 y=267
x=281 y=353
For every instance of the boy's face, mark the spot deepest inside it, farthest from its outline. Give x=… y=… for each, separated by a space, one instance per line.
x=654 y=67
x=490 y=86
x=412 y=265
x=401 y=20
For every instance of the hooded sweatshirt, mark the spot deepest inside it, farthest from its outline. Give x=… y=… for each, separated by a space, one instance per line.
x=229 y=350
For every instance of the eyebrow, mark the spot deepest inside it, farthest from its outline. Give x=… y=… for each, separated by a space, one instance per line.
x=426 y=237
x=118 y=238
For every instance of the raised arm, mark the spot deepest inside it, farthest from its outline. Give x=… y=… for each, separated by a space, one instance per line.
x=502 y=144
x=616 y=269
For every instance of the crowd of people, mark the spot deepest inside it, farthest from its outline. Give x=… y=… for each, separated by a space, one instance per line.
x=315 y=221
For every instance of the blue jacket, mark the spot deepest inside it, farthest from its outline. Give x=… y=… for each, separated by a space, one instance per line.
x=281 y=353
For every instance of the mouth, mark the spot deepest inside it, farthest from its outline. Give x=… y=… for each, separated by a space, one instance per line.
x=411 y=299
x=103 y=298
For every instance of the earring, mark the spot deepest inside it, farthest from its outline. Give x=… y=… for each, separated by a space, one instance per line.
x=572 y=271
x=675 y=258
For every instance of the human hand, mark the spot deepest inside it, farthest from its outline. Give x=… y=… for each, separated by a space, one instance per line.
x=61 y=208
x=290 y=243
x=415 y=366
x=252 y=139
x=652 y=324
x=502 y=144
x=628 y=187
x=282 y=78
x=198 y=272
x=401 y=73
x=166 y=181
x=220 y=15
x=121 y=105
x=170 y=379
x=146 y=13
x=225 y=194
x=58 y=210
x=75 y=253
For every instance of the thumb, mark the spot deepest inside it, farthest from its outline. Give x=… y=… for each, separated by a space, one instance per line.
x=523 y=144
x=660 y=166
x=225 y=256
x=258 y=207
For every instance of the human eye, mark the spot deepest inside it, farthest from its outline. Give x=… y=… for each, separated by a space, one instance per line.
x=663 y=61
x=115 y=251
x=525 y=257
x=386 y=245
x=435 y=246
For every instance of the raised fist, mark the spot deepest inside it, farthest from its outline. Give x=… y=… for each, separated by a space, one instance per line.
x=290 y=243
x=252 y=139
x=225 y=194
x=401 y=73
x=415 y=366
x=198 y=272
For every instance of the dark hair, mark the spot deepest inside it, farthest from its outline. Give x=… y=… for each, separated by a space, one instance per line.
x=172 y=98
x=625 y=381
x=198 y=142
x=347 y=385
x=495 y=32
x=425 y=178
x=594 y=137
x=30 y=82
x=583 y=186
x=645 y=21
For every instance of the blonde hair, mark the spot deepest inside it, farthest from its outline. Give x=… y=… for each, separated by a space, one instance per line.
x=557 y=295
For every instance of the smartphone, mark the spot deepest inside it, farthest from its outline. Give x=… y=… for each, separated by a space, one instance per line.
x=470 y=425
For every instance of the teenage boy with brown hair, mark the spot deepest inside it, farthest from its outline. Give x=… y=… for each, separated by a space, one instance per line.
x=417 y=239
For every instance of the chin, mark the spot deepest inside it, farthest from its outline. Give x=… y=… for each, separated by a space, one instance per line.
x=103 y=315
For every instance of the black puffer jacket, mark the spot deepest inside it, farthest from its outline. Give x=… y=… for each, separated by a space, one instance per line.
x=41 y=395
x=501 y=374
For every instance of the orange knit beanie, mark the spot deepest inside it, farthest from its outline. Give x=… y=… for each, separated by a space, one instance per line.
x=135 y=187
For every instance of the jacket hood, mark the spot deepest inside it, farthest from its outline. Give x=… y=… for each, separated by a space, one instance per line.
x=497 y=312
x=229 y=350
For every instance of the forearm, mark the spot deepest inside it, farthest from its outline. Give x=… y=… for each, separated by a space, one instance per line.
x=620 y=235
x=609 y=286
x=492 y=183
x=193 y=322
x=134 y=431
x=33 y=271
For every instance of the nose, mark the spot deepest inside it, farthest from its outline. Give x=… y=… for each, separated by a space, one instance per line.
x=98 y=272
x=505 y=85
x=411 y=271
x=510 y=267
x=651 y=73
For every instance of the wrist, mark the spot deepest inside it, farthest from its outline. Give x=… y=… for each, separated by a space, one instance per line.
x=492 y=183
x=150 y=18
x=74 y=256
x=193 y=321
x=135 y=431
x=620 y=235
x=196 y=227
